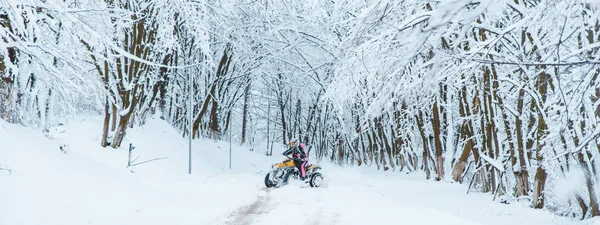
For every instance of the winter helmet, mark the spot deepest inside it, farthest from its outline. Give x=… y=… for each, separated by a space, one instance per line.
x=293 y=142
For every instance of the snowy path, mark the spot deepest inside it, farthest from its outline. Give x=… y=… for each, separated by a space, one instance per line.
x=352 y=197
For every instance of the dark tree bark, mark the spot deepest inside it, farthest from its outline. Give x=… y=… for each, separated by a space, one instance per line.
x=426 y=156
x=521 y=175
x=540 y=175
x=7 y=78
x=222 y=70
x=282 y=105
x=245 y=113
x=439 y=160
x=466 y=133
x=104 y=141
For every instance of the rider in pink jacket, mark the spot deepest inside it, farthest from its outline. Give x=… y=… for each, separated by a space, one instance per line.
x=300 y=156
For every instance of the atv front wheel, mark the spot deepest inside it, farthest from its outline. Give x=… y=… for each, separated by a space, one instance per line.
x=268 y=181
x=316 y=180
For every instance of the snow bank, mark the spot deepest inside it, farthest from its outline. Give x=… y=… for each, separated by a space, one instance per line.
x=91 y=185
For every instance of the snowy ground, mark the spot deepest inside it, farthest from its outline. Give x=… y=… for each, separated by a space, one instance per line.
x=91 y=185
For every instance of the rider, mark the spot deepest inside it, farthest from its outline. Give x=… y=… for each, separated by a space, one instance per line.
x=299 y=155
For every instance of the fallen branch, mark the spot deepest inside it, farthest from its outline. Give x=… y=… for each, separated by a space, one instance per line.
x=473 y=178
x=147 y=161
x=498 y=187
x=9 y=170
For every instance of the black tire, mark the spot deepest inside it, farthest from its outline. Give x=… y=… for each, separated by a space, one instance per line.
x=316 y=180
x=268 y=182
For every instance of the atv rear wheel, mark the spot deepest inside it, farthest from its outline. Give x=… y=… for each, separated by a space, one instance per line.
x=316 y=180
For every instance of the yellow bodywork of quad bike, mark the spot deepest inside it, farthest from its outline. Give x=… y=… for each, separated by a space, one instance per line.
x=284 y=164
x=290 y=163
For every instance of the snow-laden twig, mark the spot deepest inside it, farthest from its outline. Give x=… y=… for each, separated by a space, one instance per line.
x=583 y=144
x=558 y=63
x=494 y=163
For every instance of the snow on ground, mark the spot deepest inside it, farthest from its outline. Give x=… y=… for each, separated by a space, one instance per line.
x=91 y=185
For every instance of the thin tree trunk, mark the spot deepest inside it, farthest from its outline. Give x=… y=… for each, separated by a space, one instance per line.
x=439 y=160
x=124 y=122
x=283 y=121
x=590 y=185
x=245 y=113
x=113 y=126
x=268 y=126
x=6 y=76
x=340 y=151
x=465 y=134
x=540 y=175
x=6 y=95
x=425 y=145
x=104 y=141
x=214 y=120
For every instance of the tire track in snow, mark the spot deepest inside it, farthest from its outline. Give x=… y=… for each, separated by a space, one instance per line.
x=246 y=214
x=325 y=215
x=317 y=219
x=283 y=205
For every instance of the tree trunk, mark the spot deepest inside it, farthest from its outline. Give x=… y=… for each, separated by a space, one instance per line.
x=459 y=167
x=589 y=181
x=583 y=159
x=196 y=124
x=425 y=145
x=104 y=141
x=539 y=184
x=114 y=118
x=366 y=156
x=439 y=160
x=121 y=131
x=540 y=175
x=245 y=114
x=465 y=134
x=268 y=126
x=6 y=95
x=340 y=151
x=7 y=79
x=358 y=152
x=214 y=120
x=521 y=174
x=582 y=205
x=283 y=121
x=385 y=148
x=372 y=149
x=124 y=121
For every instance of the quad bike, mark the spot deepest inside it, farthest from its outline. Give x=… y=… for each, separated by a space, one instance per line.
x=281 y=173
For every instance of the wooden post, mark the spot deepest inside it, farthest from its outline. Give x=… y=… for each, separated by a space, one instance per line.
x=129 y=157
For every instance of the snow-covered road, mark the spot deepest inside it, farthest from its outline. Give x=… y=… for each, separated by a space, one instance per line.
x=90 y=185
x=354 y=196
